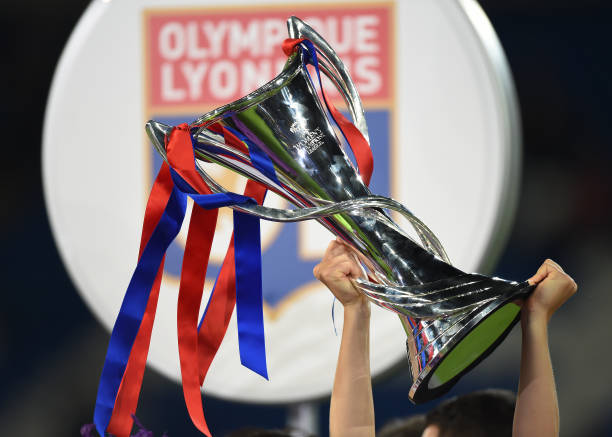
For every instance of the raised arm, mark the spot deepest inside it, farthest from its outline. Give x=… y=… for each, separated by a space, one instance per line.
x=537 y=410
x=352 y=408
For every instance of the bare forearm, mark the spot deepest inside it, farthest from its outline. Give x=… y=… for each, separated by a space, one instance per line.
x=352 y=407
x=537 y=410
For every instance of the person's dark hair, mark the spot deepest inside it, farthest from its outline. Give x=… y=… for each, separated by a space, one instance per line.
x=480 y=414
x=412 y=426
x=259 y=432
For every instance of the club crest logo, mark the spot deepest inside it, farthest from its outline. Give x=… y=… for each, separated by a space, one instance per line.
x=199 y=59
x=445 y=138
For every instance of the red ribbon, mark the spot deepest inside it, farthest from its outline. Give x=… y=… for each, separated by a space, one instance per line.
x=195 y=260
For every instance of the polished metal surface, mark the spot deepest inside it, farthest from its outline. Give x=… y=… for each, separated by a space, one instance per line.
x=334 y=68
x=286 y=120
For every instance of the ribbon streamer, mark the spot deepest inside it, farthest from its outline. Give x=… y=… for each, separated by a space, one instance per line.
x=238 y=283
x=133 y=308
x=145 y=279
x=129 y=389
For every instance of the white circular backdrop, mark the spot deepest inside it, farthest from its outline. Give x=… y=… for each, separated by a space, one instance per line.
x=455 y=154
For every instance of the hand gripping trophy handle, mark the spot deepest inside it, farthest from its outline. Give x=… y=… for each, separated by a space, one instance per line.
x=452 y=319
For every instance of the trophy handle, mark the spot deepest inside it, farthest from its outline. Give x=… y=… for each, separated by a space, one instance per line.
x=334 y=69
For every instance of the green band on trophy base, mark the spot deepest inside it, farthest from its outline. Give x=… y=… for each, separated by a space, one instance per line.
x=474 y=344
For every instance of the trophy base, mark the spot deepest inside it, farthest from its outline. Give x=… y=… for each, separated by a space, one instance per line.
x=467 y=346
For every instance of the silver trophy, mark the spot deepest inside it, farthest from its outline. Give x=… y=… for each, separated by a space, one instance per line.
x=452 y=319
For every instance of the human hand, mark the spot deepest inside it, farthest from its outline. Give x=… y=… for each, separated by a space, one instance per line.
x=338 y=266
x=554 y=287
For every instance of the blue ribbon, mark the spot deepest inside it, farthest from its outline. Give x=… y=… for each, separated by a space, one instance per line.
x=249 y=299
x=133 y=308
x=260 y=160
x=247 y=259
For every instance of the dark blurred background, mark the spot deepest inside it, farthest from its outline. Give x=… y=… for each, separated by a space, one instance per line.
x=52 y=349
